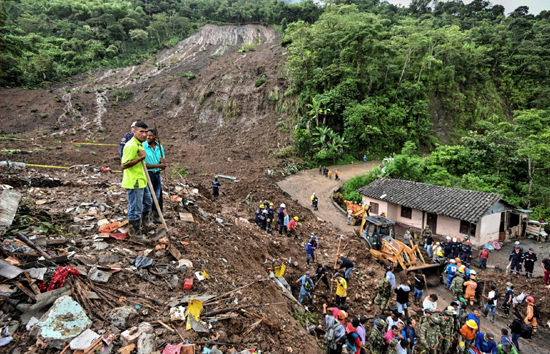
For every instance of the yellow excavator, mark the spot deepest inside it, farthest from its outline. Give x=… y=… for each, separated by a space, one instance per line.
x=379 y=232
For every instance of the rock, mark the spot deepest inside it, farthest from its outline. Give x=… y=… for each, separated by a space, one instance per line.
x=177 y=313
x=121 y=316
x=84 y=340
x=215 y=350
x=108 y=258
x=74 y=229
x=31 y=323
x=146 y=343
x=65 y=320
x=131 y=335
x=100 y=245
x=99 y=275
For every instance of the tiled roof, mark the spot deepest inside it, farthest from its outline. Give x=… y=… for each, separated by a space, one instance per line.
x=456 y=203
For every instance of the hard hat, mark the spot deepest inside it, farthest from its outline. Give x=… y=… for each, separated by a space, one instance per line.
x=452 y=261
x=457 y=259
x=509 y=284
x=467 y=242
x=342 y=315
x=517 y=242
x=440 y=254
x=265 y=211
x=473 y=272
x=530 y=299
x=458 y=239
x=262 y=206
x=283 y=205
x=270 y=204
x=461 y=270
x=454 y=239
x=437 y=243
x=296 y=218
x=448 y=237
x=471 y=324
x=313 y=193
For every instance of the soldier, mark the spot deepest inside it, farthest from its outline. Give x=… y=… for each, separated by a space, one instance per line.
x=425 y=234
x=392 y=348
x=429 y=334
x=446 y=328
x=384 y=294
x=249 y=202
x=457 y=285
x=376 y=337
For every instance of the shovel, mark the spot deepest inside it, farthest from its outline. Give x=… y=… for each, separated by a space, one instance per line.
x=155 y=201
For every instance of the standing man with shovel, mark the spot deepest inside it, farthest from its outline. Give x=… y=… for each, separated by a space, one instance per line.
x=134 y=180
x=156 y=162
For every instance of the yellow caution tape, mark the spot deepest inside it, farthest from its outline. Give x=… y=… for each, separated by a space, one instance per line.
x=58 y=142
x=65 y=167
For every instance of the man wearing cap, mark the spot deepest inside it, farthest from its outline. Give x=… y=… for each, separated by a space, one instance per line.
x=321 y=273
x=545 y=264
x=134 y=180
x=341 y=289
x=457 y=285
x=506 y=348
x=446 y=327
x=425 y=233
x=311 y=246
x=485 y=343
x=376 y=338
x=347 y=265
x=516 y=259
x=508 y=297
x=384 y=294
x=530 y=257
x=466 y=254
x=435 y=250
x=306 y=288
x=430 y=334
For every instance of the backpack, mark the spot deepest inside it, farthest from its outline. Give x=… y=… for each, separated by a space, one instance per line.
x=350 y=344
x=536 y=312
x=526 y=331
x=334 y=332
x=308 y=285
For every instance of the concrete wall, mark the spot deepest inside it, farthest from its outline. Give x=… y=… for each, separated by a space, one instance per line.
x=447 y=226
x=382 y=205
x=393 y=211
x=488 y=228
x=415 y=220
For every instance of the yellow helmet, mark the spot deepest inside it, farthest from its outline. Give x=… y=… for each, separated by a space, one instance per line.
x=296 y=218
x=270 y=204
x=440 y=254
x=471 y=324
x=461 y=269
x=262 y=206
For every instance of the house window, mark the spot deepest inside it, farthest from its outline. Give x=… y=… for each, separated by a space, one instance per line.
x=374 y=208
x=464 y=226
x=467 y=228
x=406 y=212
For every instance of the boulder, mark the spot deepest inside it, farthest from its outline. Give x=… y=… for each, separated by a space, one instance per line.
x=121 y=316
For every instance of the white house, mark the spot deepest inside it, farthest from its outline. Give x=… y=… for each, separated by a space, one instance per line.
x=484 y=217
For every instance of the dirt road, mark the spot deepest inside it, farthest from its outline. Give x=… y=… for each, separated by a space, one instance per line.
x=303 y=184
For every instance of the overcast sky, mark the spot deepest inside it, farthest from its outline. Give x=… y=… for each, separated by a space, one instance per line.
x=535 y=6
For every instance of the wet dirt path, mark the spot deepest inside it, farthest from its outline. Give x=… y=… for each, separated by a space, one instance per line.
x=303 y=184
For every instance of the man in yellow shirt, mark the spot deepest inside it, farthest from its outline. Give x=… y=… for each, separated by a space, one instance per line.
x=341 y=289
x=134 y=180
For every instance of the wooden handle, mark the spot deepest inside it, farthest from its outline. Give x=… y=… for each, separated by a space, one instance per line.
x=154 y=195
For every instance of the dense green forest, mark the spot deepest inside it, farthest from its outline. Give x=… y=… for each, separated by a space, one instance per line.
x=50 y=40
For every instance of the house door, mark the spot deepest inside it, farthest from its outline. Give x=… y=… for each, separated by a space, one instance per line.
x=432 y=222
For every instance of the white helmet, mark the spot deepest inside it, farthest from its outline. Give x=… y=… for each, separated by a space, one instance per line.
x=452 y=261
x=517 y=242
x=313 y=193
x=472 y=272
x=448 y=237
x=283 y=205
x=454 y=239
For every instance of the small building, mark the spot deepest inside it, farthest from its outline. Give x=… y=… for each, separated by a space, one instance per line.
x=481 y=216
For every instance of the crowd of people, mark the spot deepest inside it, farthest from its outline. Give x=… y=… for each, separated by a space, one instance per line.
x=324 y=171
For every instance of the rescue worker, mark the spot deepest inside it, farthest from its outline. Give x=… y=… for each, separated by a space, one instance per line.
x=430 y=334
x=263 y=220
x=425 y=234
x=516 y=244
x=508 y=296
x=312 y=197
x=286 y=220
x=447 y=247
x=457 y=250
x=466 y=254
x=281 y=218
x=376 y=338
x=454 y=245
x=468 y=332
x=384 y=294
x=259 y=212
x=216 y=187
x=292 y=227
x=451 y=271
x=457 y=285
x=446 y=327
x=516 y=259
x=269 y=220
x=341 y=289
x=249 y=202
x=306 y=288
x=315 y=202
x=531 y=319
x=471 y=287
x=321 y=273
x=530 y=257
x=311 y=246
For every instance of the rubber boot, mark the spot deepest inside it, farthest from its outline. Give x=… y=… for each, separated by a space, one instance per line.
x=136 y=226
x=493 y=318
x=147 y=219
x=156 y=218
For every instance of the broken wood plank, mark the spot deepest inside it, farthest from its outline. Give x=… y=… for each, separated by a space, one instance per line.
x=25 y=290
x=265 y=320
x=232 y=291
x=32 y=245
x=54 y=261
x=32 y=284
x=57 y=241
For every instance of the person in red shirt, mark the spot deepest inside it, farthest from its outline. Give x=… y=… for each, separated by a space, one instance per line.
x=292 y=227
x=354 y=340
x=483 y=257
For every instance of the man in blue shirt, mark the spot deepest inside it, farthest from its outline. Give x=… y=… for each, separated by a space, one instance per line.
x=485 y=343
x=474 y=316
x=307 y=287
x=155 y=162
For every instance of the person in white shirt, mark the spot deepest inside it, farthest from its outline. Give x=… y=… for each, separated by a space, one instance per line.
x=491 y=303
x=393 y=319
x=349 y=216
x=402 y=346
x=430 y=302
x=391 y=277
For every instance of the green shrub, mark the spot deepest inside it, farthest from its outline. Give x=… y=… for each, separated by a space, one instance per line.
x=122 y=95
x=260 y=82
x=247 y=47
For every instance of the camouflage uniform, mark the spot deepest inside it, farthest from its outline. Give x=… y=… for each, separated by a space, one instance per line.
x=384 y=294
x=458 y=287
x=429 y=335
x=447 y=331
x=376 y=338
x=392 y=349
